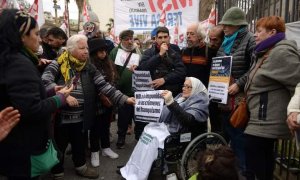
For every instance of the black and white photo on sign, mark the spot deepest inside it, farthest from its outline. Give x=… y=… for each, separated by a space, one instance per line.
x=148 y=105
x=122 y=56
x=141 y=81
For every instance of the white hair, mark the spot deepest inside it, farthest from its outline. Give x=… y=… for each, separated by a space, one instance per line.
x=73 y=40
x=201 y=32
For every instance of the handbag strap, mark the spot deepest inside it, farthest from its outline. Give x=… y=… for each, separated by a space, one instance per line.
x=125 y=64
x=257 y=66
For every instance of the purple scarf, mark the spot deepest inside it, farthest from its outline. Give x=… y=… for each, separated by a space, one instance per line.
x=269 y=42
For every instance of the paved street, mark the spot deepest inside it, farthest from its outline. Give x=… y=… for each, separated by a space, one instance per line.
x=108 y=167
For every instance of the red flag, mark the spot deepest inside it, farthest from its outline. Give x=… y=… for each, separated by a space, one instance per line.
x=85 y=12
x=211 y=21
x=3 y=4
x=36 y=11
x=162 y=19
x=9 y=4
x=66 y=19
x=176 y=32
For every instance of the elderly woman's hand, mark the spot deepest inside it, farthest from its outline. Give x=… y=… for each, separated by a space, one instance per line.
x=72 y=102
x=130 y=101
x=292 y=121
x=167 y=95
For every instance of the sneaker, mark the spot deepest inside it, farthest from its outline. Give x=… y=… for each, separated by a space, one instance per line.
x=87 y=172
x=58 y=176
x=121 y=143
x=108 y=152
x=95 y=159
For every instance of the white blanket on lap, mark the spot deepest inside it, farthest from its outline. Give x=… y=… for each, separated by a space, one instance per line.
x=145 y=152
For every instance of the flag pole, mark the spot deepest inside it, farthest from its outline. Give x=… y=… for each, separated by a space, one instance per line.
x=68 y=18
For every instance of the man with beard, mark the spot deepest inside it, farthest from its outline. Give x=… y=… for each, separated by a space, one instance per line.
x=126 y=53
x=57 y=38
x=196 y=56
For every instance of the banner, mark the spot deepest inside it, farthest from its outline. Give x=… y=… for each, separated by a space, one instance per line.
x=293 y=31
x=148 y=106
x=144 y=15
x=219 y=79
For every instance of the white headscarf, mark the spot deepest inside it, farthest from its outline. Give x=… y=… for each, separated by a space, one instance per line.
x=197 y=86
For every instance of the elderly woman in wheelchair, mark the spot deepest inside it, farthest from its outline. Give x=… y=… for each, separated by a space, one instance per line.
x=186 y=113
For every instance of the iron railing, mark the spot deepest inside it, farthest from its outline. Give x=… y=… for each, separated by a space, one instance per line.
x=289 y=10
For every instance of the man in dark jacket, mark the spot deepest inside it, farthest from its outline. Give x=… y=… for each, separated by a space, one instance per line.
x=164 y=63
x=196 y=56
x=57 y=38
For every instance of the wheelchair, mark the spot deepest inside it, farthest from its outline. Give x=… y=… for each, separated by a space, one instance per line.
x=183 y=155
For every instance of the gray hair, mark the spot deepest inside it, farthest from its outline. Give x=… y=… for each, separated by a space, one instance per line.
x=73 y=40
x=201 y=32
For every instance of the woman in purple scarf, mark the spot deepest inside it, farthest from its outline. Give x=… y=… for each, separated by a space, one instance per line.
x=271 y=82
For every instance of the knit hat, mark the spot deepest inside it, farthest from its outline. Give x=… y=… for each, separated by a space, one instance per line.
x=126 y=33
x=97 y=44
x=235 y=17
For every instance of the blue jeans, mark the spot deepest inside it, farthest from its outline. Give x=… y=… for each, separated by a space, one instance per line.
x=236 y=139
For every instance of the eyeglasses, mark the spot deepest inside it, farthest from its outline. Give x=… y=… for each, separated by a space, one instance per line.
x=187 y=86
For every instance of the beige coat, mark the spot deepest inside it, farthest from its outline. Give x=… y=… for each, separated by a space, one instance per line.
x=294 y=105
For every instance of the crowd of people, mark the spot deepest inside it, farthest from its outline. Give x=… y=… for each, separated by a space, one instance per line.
x=58 y=91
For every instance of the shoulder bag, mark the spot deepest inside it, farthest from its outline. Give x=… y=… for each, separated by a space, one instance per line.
x=240 y=116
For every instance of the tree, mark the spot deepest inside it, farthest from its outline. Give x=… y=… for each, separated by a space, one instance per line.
x=79 y=5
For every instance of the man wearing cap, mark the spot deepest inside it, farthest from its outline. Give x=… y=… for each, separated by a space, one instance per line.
x=238 y=43
x=126 y=57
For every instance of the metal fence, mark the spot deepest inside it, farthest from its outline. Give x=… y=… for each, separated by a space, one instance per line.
x=287 y=156
x=289 y=10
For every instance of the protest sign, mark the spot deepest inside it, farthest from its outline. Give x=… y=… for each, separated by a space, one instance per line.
x=122 y=56
x=141 y=81
x=148 y=106
x=219 y=78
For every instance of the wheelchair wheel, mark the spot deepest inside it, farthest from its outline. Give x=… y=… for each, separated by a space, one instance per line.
x=188 y=164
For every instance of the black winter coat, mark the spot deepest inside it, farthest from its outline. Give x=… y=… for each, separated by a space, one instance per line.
x=22 y=88
x=170 y=67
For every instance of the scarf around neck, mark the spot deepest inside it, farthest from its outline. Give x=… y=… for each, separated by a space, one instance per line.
x=269 y=42
x=229 y=41
x=28 y=53
x=66 y=60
